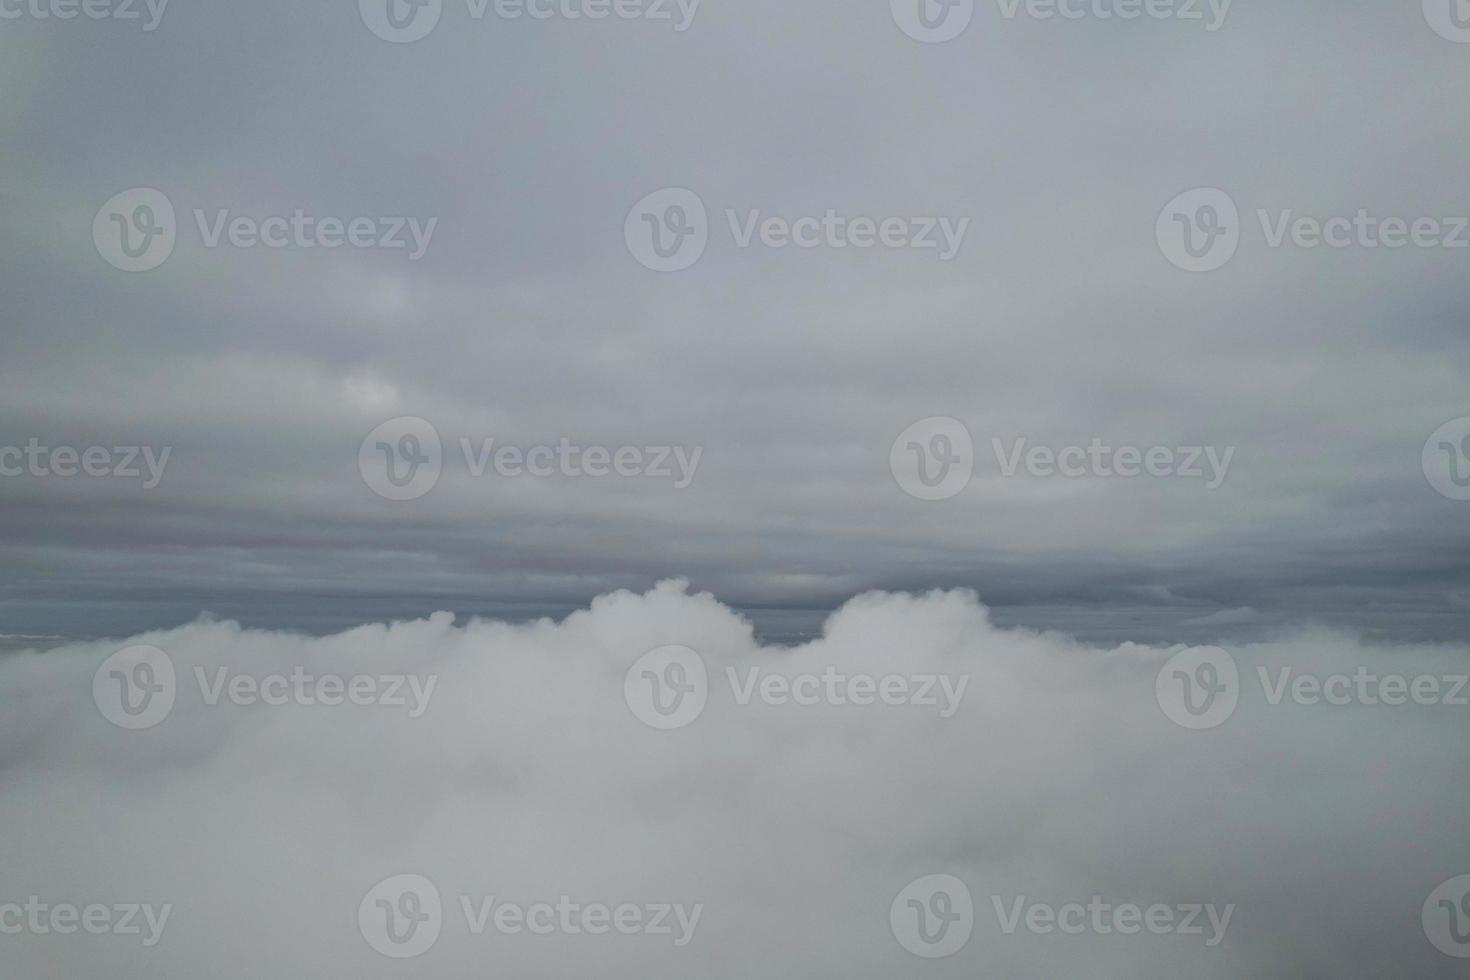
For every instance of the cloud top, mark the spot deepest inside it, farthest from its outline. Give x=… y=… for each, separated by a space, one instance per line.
x=815 y=784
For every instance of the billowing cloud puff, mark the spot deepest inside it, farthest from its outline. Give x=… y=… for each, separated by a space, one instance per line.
x=570 y=800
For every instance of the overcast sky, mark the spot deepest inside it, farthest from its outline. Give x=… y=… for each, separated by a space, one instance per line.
x=572 y=396
x=528 y=319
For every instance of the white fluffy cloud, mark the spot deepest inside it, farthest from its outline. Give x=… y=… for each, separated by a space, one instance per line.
x=529 y=778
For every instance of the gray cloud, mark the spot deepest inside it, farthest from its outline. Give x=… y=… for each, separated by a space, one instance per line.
x=528 y=321
x=528 y=777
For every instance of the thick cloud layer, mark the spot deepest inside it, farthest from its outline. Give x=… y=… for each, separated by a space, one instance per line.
x=530 y=775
